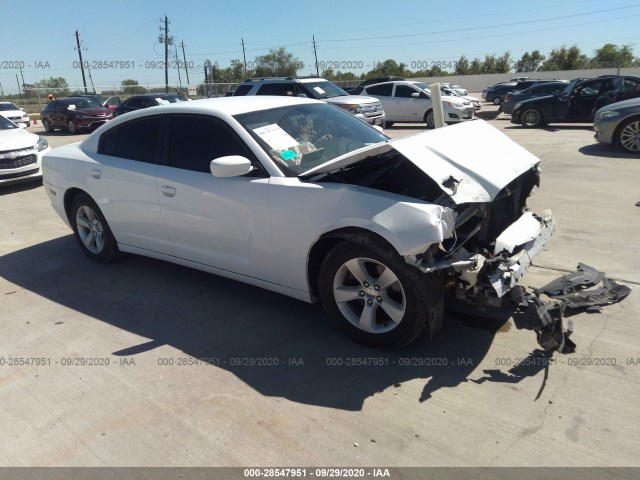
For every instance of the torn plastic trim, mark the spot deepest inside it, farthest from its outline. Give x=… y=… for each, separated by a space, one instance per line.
x=506 y=276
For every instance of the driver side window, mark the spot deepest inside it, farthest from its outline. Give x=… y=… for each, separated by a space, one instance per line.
x=196 y=140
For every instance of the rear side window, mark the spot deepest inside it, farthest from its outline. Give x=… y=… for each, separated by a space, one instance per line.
x=136 y=140
x=196 y=140
x=548 y=88
x=280 y=89
x=243 y=89
x=380 y=90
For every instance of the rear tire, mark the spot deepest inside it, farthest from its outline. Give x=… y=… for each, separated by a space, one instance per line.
x=92 y=231
x=376 y=298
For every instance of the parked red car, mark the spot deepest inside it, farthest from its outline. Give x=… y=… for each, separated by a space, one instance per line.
x=74 y=114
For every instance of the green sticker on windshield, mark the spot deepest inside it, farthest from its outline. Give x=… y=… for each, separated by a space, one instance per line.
x=288 y=155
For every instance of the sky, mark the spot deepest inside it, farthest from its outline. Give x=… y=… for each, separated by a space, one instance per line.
x=119 y=38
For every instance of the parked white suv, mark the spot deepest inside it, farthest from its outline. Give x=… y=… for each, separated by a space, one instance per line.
x=366 y=108
x=406 y=101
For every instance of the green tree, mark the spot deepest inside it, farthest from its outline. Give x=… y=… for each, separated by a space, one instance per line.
x=610 y=55
x=462 y=66
x=564 y=58
x=57 y=86
x=489 y=64
x=530 y=62
x=278 y=63
x=389 y=68
x=475 y=68
x=503 y=63
x=132 y=87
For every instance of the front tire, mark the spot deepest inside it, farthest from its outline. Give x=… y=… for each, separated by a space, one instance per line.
x=72 y=127
x=629 y=136
x=429 y=119
x=47 y=126
x=497 y=100
x=92 y=231
x=376 y=298
x=532 y=118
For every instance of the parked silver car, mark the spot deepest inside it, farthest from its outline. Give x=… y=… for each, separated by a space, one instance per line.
x=619 y=124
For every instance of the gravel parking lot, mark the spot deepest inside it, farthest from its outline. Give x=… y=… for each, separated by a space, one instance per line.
x=144 y=363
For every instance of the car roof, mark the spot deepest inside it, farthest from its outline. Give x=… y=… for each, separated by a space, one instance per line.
x=223 y=105
x=161 y=95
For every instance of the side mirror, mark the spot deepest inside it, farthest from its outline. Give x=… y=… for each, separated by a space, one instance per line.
x=415 y=95
x=230 y=166
x=378 y=127
x=21 y=125
x=301 y=95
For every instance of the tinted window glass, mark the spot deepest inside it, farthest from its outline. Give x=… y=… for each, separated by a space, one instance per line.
x=108 y=142
x=138 y=140
x=281 y=89
x=380 y=90
x=134 y=102
x=404 y=91
x=591 y=89
x=243 y=89
x=630 y=86
x=194 y=141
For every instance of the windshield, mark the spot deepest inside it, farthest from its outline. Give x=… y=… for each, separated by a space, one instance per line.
x=6 y=124
x=166 y=99
x=301 y=137
x=320 y=90
x=4 y=107
x=82 y=102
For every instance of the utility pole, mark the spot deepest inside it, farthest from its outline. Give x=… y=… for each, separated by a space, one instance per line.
x=84 y=81
x=22 y=76
x=244 y=56
x=178 y=65
x=1 y=90
x=167 y=40
x=19 y=91
x=184 y=57
x=315 y=53
x=91 y=78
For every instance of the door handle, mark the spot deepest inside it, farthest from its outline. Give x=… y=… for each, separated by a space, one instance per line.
x=96 y=173
x=168 y=191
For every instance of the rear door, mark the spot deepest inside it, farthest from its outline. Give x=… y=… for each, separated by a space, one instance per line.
x=630 y=89
x=384 y=93
x=123 y=183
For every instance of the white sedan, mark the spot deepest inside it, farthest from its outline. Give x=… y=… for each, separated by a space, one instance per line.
x=302 y=198
x=14 y=113
x=20 y=153
x=407 y=101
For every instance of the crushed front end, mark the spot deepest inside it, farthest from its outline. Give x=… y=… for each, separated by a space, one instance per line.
x=493 y=244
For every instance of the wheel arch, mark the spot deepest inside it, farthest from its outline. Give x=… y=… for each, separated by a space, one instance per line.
x=326 y=242
x=616 y=133
x=69 y=196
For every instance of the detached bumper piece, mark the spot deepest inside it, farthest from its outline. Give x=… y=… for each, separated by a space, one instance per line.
x=569 y=295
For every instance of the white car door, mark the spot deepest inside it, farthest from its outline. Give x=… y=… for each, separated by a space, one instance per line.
x=384 y=93
x=410 y=103
x=220 y=222
x=122 y=181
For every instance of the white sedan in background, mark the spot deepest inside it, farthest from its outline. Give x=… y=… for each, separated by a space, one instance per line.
x=300 y=197
x=20 y=153
x=14 y=113
x=407 y=101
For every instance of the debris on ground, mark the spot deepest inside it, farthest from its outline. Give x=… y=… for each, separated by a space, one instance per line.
x=568 y=295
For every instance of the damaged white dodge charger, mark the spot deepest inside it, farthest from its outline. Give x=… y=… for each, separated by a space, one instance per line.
x=300 y=197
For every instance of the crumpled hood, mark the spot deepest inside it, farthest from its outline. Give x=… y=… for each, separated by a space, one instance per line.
x=15 y=139
x=473 y=159
x=481 y=159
